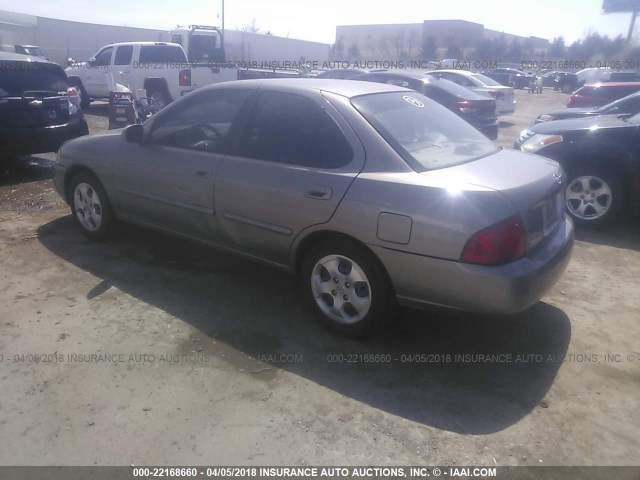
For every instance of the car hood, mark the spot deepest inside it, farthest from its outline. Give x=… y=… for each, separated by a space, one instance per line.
x=571 y=112
x=574 y=124
x=523 y=178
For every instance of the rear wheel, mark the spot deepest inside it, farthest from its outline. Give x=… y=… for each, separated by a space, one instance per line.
x=159 y=97
x=348 y=288
x=90 y=206
x=594 y=196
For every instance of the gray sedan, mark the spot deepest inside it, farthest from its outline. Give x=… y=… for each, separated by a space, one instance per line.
x=373 y=194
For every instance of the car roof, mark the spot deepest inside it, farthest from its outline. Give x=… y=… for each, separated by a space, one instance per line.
x=613 y=84
x=20 y=57
x=452 y=70
x=144 y=44
x=345 y=88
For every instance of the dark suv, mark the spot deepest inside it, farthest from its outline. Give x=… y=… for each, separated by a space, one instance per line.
x=39 y=111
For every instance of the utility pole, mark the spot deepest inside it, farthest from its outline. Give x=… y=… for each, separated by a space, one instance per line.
x=222 y=24
x=634 y=14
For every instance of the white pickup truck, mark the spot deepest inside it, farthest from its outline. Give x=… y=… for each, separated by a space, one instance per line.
x=161 y=69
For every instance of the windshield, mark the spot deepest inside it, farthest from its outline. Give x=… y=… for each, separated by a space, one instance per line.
x=425 y=134
x=486 y=80
x=16 y=78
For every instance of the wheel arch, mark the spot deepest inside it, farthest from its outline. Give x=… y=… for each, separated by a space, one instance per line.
x=319 y=236
x=68 y=179
x=157 y=83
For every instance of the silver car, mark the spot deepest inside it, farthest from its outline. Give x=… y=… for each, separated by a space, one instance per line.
x=373 y=194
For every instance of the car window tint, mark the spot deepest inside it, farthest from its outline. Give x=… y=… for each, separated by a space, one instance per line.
x=161 y=54
x=103 y=58
x=202 y=123
x=292 y=129
x=16 y=78
x=124 y=55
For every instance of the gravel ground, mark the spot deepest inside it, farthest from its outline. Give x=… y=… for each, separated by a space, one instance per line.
x=152 y=350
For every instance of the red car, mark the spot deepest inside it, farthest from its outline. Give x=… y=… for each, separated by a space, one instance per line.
x=600 y=94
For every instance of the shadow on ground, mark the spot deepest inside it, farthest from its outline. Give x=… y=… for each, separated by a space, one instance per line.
x=623 y=234
x=27 y=169
x=255 y=311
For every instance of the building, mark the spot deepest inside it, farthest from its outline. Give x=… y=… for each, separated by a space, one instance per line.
x=406 y=41
x=61 y=39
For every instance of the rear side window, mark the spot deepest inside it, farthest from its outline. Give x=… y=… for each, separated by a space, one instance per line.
x=124 y=55
x=18 y=78
x=292 y=129
x=161 y=54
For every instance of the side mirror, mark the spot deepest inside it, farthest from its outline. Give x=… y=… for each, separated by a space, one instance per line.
x=134 y=133
x=91 y=62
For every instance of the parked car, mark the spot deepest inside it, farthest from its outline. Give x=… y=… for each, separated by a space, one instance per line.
x=341 y=73
x=39 y=110
x=374 y=194
x=549 y=79
x=159 y=68
x=600 y=94
x=504 y=96
x=476 y=109
x=629 y=105
x=567 y=82
x=601 y=156
x=511 y=77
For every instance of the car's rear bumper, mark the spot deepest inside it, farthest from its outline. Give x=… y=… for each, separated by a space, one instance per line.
x=510 y=288
x=30 y=140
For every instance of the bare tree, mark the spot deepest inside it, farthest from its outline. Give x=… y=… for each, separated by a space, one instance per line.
x=251 y=27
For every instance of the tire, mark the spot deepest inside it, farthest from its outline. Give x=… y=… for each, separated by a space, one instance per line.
x=85 y=101
x=594 y=196
x=90 y=206
x=566 y=88
x=341 y=268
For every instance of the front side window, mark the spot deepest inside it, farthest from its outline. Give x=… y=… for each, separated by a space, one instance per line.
x=103 y=59
x=292 y=129
x=202 y=123
x=424 y=133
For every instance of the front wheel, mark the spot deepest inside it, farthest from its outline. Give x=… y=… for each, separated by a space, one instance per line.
x=90 y=206
x=348 y=288
x=594 y=196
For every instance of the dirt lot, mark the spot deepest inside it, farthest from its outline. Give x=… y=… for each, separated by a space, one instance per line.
x=202 y=358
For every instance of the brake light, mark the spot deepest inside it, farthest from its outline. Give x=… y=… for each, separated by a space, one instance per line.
x=73 y=97
x=501 y=243
x=496 y=94
x=467 y=106
x=184 y=78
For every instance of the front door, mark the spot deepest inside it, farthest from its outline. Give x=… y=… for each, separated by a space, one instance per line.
x=169 y=180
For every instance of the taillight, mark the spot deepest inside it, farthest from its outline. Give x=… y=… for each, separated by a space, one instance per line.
x=73 y=97
x=496 y=94
x=501 y=243
x=184 y=78
x=467 y=106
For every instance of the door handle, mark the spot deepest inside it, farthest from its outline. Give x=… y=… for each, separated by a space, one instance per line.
x=318 y=192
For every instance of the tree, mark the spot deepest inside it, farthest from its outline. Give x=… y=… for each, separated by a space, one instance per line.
x=354 y=52
x=454 y=51
x=337 y=50
x=251 y=27
x=429 y=49
x=557 y=49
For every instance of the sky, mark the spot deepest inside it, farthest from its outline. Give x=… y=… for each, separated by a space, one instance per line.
x=316 y=21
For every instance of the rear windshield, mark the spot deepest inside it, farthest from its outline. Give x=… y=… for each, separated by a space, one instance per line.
x=425 y=134
x=204 y=48
x=452 y=88
x=161 y=54
x=486 y=80
x=16 y=78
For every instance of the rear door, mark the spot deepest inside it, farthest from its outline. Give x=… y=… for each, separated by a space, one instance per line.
x=294 y=162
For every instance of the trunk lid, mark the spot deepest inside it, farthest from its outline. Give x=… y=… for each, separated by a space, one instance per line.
x=533 y=184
